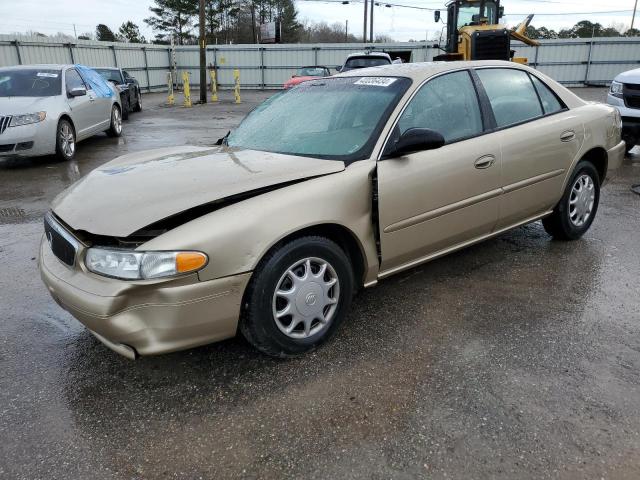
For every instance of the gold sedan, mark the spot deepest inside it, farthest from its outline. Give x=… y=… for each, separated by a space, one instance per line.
x=329 y=187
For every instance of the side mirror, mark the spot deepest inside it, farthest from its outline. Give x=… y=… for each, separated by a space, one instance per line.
x=500 y=12
x=77 y=92
x=436 y=16
x=338 y=69
x=416 y=140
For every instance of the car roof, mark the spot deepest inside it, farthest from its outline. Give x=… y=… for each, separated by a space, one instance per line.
x=369 y=54
x=106 y=68
x=423 y=70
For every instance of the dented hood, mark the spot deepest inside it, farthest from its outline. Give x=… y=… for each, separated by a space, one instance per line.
x=136 y=190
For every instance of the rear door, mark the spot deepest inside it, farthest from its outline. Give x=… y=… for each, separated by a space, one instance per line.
x=539 y=138
x=433 y=200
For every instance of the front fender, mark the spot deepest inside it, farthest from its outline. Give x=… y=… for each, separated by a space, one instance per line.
x=236 y=237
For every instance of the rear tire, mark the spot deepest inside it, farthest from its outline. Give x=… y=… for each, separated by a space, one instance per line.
x=65 y=141
x=297 y=298
x=115 y=129
x=574 y=213
x=126 y=108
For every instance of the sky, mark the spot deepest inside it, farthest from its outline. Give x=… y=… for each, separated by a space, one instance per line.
x=402 y=24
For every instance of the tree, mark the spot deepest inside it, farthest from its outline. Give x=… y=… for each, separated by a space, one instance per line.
x=632 y=32
x=290 y=26
x=129 y=32
x=105 y=34
x=85 y=36
x=173 y=18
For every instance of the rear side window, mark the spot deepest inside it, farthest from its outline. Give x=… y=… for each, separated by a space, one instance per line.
x=550 y=102
x=447 y=104
x=511 y=94
x=72 y=80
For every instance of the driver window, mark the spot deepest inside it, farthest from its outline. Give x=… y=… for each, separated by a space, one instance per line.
x=447 y=104
x=72 y=80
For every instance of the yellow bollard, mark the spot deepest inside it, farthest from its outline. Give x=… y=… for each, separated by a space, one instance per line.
x=187 y=89
x=236 y=88
x=214 y=86
x=170 y=98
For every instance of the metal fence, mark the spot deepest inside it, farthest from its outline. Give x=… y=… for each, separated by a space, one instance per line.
x=572 y=62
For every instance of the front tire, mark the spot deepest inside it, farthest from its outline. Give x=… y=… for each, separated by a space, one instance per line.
x=575 y=212
x=297 y=297
x=138 y=106
x=115 y=129
x=126 y=108
x=629 y=142
x=65 y=141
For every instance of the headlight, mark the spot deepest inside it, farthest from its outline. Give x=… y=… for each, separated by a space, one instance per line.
x=18 y=120
x=133 y=265
x=616 y=89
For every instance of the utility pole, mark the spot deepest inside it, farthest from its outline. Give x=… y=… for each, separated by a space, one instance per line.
x=371 y=25
x=346 y=31
x=203 y=56
x=364 y=31
x=635 y=5
x=76 y=35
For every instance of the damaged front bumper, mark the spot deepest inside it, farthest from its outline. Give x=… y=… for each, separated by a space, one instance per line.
x=145 y=317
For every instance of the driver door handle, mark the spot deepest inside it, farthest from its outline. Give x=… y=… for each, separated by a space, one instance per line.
x=568 y=136
x=484 y=161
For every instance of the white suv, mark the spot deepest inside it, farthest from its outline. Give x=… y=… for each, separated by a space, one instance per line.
x=624 y=94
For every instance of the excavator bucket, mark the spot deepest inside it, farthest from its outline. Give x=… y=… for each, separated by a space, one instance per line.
x=519 y=33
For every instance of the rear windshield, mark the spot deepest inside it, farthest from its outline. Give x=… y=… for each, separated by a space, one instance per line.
x=109 y=74
x=30 y=83
x=364 y=62
x=336 y=118
x=312 y=72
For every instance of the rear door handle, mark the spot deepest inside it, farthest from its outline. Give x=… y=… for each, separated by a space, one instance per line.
x=484 y=161
x=568 y=136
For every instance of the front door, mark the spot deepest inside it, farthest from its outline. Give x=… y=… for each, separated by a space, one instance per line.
x=434 y=200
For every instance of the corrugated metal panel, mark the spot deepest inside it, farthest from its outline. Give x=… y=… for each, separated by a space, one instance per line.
x=571 y=61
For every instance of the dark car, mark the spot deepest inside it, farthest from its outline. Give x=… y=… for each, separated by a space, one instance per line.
x=129 y=89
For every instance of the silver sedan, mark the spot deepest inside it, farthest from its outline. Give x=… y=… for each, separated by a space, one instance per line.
x=47 y=109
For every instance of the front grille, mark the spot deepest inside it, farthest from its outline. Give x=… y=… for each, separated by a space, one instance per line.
x=7 y=147
x=4 y=122
x=632 y=86
x=62 y=244
x=490 y=45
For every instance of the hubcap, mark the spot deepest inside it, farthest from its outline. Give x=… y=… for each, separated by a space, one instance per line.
x=116 y=120
x=581 y=200
x=306 y=298
x=67 y=141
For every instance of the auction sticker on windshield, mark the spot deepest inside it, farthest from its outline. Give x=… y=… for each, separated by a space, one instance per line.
x=46 y=74
x=376 y=81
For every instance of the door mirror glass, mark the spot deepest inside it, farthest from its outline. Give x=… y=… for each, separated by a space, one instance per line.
x=77 y=92
x=416 y=140
x=436 y=16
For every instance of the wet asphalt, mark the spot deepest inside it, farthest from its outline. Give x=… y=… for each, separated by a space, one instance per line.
x=515 y=358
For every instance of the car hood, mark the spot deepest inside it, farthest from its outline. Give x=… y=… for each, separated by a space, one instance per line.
x=19 y=105
x=631 y=76
x=139 y=189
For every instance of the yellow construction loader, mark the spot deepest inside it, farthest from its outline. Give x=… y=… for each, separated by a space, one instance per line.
x=474 y=32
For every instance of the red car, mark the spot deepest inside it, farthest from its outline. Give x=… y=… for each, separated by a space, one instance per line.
x=307 y=73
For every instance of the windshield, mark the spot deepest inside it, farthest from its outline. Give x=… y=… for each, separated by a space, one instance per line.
x=109 y=74
x=364 y=62
x=337 y=118
x=30 y=83
x=469 y=13
x=312 y=72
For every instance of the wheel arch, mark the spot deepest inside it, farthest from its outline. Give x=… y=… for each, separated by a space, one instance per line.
x=67 y=117
x=599 y=158
x=345 y=238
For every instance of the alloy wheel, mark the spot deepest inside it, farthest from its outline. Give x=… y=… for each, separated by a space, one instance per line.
x=116 y=120
x=67 y=140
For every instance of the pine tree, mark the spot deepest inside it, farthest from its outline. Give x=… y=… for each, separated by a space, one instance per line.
x=104 y=33
x=173 y=18
x=129 y=32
